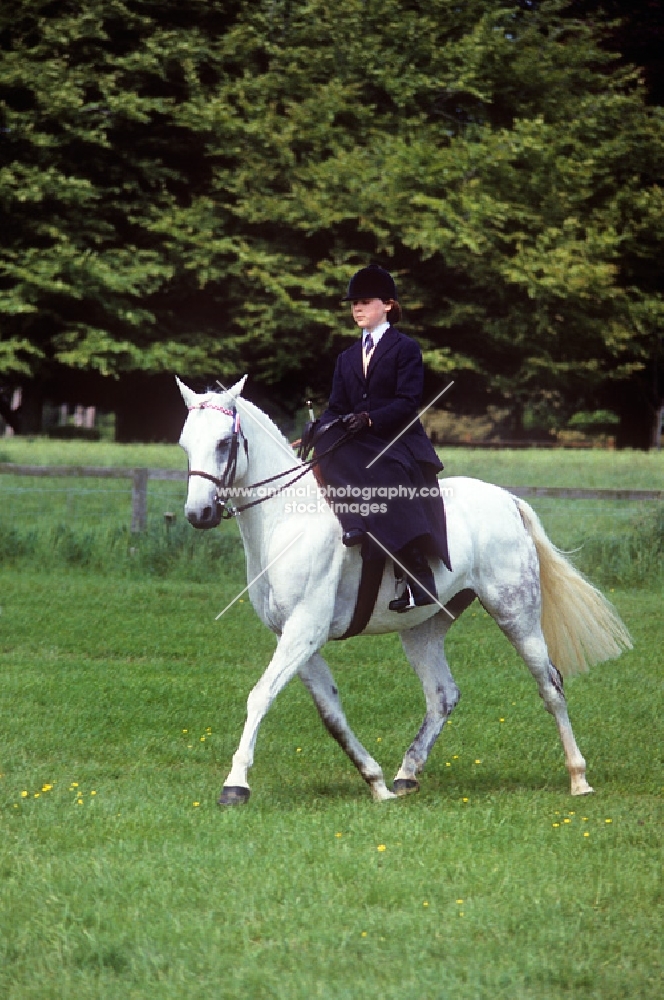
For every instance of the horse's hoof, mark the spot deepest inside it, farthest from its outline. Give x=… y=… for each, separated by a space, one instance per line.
x=582 y=789
x=405 y=786
x=233 y=795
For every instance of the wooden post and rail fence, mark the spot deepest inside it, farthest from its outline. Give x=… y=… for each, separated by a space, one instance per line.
x=140 y=477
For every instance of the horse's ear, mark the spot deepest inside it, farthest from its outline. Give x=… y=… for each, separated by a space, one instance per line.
x=188 y=394
x=236 y=390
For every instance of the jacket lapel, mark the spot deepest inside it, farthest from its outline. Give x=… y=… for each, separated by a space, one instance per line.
x=383 y=347
x=355 y=359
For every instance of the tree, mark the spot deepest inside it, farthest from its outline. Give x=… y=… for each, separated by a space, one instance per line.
x=188 y=189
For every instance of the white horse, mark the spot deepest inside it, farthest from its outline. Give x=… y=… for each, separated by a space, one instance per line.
x=303 y=585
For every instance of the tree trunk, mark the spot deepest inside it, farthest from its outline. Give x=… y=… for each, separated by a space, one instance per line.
x=29 y=413
x=656 y=441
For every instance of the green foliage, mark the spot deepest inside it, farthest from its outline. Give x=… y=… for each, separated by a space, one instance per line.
x=188 y=187
x=629 y=555
x=177 y=551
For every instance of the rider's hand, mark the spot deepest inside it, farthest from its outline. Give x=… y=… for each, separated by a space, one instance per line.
x=356 y=422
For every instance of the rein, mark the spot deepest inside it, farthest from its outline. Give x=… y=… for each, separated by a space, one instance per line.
x=225 y=481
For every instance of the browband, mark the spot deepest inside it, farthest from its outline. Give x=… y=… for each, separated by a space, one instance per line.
x=211 y=406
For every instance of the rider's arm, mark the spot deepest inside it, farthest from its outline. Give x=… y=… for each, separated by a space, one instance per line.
x=392 y=416
x=339 y=403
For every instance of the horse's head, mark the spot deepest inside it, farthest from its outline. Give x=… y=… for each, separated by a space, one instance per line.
x=212 y=439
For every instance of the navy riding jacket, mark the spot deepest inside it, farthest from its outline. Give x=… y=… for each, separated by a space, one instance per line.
x=391 y=393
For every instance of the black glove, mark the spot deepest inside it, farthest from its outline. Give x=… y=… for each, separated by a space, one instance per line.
x=356 y=422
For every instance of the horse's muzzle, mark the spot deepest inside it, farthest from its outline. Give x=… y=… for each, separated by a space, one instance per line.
x=208 y=517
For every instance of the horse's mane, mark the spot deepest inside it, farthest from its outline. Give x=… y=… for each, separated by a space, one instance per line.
x=252 y=414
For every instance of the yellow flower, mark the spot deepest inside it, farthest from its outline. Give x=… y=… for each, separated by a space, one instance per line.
x=185 y=730
x=455 y=756
x=37 y=794
x=586 y=834
x=196 y=803
x=208 y=729
x=74 y=784
x=608 y=821
x=478 y=761
x=381 y=847
x=425 y=903
x=379 y=739
x=447 y=764
x=93 y=793
x=501 y=720
x=79 y=802
x=363 y=934
x=567 y=820
x=24 y=795
x=459 y=901
x=338 y=835
x=46 y=788
x=556 y=824
x=298 y=750
x=571 y=814
x=464 y=800
x=202 y=739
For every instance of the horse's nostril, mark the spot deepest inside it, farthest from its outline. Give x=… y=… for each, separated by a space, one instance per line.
x=207 y=514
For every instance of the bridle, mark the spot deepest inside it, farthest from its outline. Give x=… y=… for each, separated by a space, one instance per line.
x=227 y=478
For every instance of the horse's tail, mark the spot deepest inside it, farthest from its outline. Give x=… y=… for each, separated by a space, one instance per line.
x=580 y=626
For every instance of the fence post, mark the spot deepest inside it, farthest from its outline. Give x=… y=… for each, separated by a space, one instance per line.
x=139 y=500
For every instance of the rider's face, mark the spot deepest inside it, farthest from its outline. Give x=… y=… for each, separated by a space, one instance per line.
x=369 y=313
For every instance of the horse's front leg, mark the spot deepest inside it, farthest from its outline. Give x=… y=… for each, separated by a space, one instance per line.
x=299 y=640
x=318 y=679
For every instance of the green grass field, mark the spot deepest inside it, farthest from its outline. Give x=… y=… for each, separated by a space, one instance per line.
x=55 y=522
x=122 y=701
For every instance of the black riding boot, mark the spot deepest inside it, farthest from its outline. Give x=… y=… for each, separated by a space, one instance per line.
x=421 y=589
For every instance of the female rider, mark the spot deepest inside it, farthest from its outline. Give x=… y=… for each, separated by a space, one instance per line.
x=377 y=390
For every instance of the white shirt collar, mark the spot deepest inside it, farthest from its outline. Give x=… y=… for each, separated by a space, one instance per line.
x=377 y=333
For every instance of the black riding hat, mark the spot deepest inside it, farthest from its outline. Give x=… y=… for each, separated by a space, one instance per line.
x=372 y=282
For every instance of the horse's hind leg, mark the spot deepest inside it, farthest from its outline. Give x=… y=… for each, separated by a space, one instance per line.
x=550 y=683
x=517 y=611
x=424 y=647
x=318 y=679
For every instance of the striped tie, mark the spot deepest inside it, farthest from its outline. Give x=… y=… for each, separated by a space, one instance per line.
x=368 y=348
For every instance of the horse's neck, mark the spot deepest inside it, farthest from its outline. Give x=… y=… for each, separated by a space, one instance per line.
x=269 y=453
